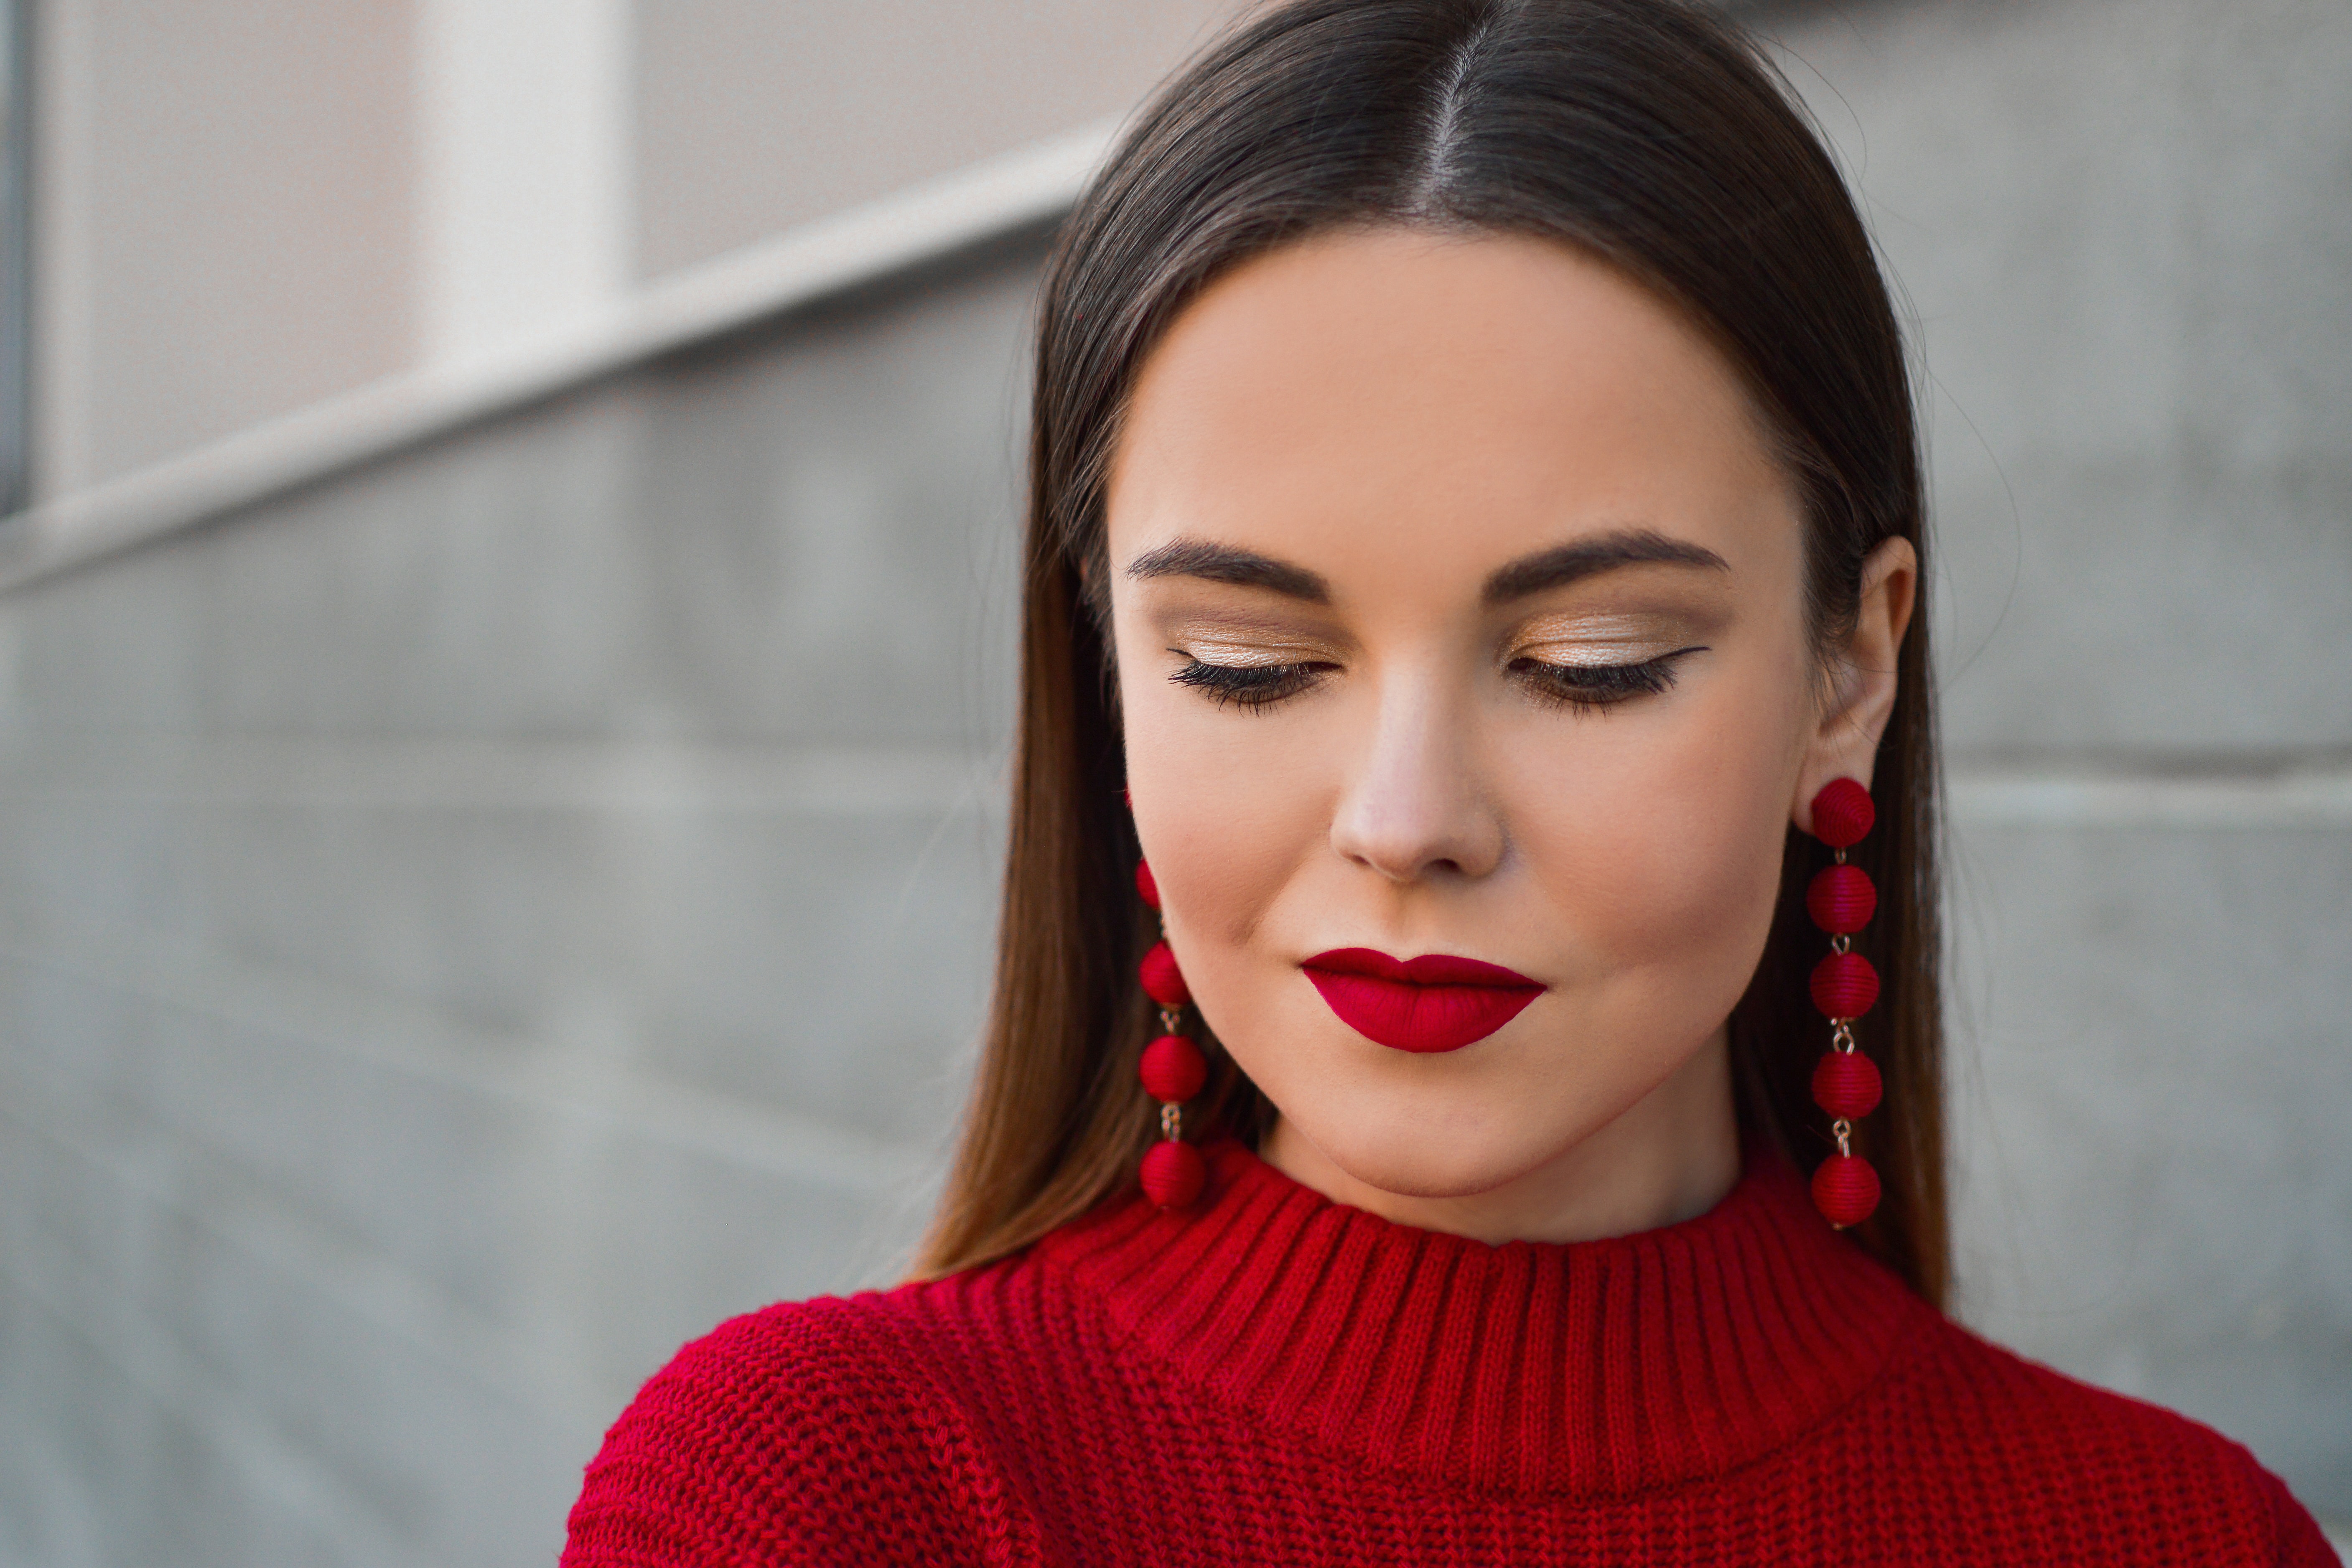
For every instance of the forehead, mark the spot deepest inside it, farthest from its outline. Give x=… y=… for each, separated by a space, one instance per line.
x=1439 y=400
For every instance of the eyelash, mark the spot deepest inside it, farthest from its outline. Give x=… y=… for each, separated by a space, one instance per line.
x=1249 y=686
x=1591 y=686
x=1579 y=687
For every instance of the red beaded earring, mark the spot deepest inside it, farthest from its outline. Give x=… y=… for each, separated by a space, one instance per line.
x=1841 y=899
x=1173 y=1072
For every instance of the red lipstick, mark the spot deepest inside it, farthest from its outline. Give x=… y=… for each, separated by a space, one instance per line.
x=1433 y=1002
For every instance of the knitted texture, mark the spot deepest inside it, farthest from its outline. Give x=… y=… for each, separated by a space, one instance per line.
x=1272 y=1378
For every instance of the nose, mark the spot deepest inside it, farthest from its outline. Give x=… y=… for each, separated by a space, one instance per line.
x=1416 y=808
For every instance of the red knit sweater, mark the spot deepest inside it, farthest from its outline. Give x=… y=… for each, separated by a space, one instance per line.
x=1274 y=1378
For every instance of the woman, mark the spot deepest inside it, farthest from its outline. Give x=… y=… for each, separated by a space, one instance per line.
x=1475 y=536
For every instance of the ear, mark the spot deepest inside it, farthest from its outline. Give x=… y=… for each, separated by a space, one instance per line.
x=1844 y=743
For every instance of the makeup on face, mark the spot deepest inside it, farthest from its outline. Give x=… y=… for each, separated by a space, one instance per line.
x=1574 y=640
x=1431 y=1003
x=1456 y=604
x=1251 y=630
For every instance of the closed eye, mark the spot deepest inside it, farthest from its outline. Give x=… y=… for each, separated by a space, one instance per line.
x=1250 y=686
x=1589 y=686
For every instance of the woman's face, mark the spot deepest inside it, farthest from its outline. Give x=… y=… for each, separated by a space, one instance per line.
x=1458 y=607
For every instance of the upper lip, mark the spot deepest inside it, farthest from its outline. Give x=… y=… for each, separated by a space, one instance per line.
x=1429 y=969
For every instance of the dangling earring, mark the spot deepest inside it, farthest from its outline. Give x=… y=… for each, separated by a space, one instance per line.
x=1841 y=899
x=1173 y=1072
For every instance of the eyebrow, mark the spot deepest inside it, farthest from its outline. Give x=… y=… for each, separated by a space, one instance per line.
x=1553 y=568
x=1567 y=563
x=1228 y=564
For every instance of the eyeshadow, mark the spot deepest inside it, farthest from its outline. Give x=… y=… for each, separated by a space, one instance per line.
x=1609 y=637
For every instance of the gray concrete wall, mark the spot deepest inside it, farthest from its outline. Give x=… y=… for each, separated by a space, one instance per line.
x=468 y=927
x=223 y=226
x=2125 y=230
x=246 y=207
x=751 y=117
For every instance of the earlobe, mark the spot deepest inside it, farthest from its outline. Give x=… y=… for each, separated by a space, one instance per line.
x=1863 y=690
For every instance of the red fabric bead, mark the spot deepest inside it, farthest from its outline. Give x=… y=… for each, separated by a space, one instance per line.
x=1845 y=1189
x=1846 y=1084
x=1162 y=981
x=1841 y=899
x=1843 y=813
x=1173 y=1174
x=1145 y=885
x=1173 y=1069
x=1845 y=985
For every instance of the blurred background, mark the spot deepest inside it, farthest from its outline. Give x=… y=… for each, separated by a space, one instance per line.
x=505 y=630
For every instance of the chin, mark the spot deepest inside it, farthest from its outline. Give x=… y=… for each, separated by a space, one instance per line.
x=1414 y=1151
x=1466 y=1123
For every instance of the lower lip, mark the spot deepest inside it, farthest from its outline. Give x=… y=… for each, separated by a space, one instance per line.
x=1426 y=1004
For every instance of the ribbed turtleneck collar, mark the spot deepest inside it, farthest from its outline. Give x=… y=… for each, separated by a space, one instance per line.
x=1594 y=1367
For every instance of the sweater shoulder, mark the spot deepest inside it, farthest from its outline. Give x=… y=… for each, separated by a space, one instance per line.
x=2128 y=1466
x=808 y=1432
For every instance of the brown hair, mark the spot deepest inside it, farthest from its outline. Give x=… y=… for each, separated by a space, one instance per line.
x=1648 y=132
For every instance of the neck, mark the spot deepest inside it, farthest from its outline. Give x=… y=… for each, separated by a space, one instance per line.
x=1670 y=1156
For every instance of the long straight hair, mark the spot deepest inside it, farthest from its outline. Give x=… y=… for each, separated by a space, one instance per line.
x=1649 y=133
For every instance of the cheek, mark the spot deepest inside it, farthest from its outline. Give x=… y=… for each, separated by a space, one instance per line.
x=1689 y=884
x=1663 y=861
x=1225 y=805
